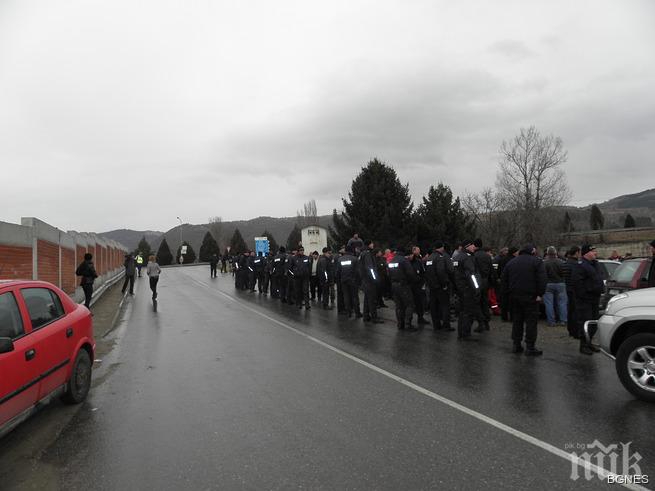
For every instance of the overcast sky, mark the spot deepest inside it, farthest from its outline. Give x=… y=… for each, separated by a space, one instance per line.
x=124 y=114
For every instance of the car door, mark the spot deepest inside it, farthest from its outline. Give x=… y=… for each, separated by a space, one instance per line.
x=50 y=333
x=19 y=373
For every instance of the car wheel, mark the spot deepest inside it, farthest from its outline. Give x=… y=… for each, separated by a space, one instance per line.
x=635 y=365
x=80 y=382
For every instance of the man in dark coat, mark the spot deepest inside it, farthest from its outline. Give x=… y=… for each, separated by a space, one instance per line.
x=370 y=282
x=87 y=271
x=402 y=276
x=325 y=273
x=525 y=281
x=348 y=279
x=484 y=265
x=588 y=286
x=213 y=265
x=301 y=273
x=467 y=282
x=439 y=272
x=130 y=270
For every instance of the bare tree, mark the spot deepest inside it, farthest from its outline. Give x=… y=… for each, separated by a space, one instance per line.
x=531 y=179
x=308 y=215
x=495 y=224
x=216 y=229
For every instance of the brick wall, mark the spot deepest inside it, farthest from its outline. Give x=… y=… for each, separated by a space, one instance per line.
x=36 y=241
x=15 y=262
x=48 y=261
x=68 y=267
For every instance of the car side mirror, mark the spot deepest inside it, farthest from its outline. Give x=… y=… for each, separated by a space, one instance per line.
x=6 y=345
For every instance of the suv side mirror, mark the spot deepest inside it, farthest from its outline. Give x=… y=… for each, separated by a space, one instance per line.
x=6 y=345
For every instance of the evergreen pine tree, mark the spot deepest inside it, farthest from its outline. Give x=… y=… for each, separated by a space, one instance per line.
x=273 y=246
x=190 y=256
x=143 y=248
x=629 y=222
x=237 y=244
x=208 y=247
x=596 y=220
x=294 y=238
x=164 y=256
x=378 y=207
x=439 y=217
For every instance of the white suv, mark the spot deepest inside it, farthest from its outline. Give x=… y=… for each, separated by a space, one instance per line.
x=626 y=333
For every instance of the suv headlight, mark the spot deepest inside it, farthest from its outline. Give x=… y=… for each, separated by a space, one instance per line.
x=612 y=301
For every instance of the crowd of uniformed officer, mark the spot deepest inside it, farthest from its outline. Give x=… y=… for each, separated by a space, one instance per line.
x=417 y=283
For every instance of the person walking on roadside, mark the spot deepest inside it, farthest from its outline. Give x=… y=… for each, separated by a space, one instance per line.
x=139 y=263
x=213 y=265
x=87 y=271
x=153 y=270
x=555 y=298
x=130 y=269
x=525 y=281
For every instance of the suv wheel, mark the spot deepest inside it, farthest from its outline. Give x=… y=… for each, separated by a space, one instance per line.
x=635 y=365
x=80 y=382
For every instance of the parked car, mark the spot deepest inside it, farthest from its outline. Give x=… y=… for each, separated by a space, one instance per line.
x=46 y=349
x=626 y=333
x=630 y=275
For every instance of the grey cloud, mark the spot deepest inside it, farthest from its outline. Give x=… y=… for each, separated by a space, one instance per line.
x=512 y=49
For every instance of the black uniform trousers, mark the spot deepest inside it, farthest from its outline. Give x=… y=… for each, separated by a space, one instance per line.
x=585 y=310
x=404 y=300
x=290 y=293
x=313 y=287
x=370 y=299
x=212 y=270
x=260 y=281
x=485 y=314
x=419 y=300
x=525 y=312
x=350 y=297
x=440 y=308
x=469 y=310
x=302 y=290
x=340 y=301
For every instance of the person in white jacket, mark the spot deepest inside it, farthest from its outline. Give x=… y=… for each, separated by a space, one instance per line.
x=153 y=271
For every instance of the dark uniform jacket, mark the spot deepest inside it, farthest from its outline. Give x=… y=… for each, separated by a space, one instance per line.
x=587 y=280
x=302 y=267
x=325 y=270
x=346 y=270
x=368 y=267
x=485 y=267
x=130 y=266
x=439 y=270
x=467 y=278
x=401 y=271
x=525 y=276
x=279 y=262
x=258 y=263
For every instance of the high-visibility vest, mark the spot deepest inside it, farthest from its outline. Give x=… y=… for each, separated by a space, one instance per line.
x=139 y=260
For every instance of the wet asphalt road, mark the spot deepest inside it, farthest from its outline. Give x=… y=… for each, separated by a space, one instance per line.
x=219 y=389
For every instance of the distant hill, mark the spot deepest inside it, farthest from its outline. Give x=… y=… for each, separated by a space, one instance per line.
x=280 y=228
x=643 y=200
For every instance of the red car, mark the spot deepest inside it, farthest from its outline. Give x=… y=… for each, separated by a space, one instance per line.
x=46 y=349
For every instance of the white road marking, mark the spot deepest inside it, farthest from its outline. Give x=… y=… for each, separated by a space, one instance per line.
x=569 y=457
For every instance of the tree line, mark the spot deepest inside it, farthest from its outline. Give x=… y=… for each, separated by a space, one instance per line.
x=524 y=205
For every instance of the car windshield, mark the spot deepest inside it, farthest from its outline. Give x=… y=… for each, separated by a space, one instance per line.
x=610 y=268
x=626 y=271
